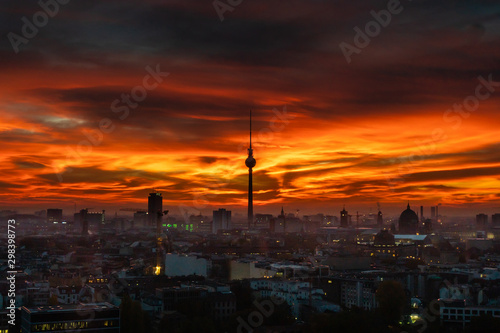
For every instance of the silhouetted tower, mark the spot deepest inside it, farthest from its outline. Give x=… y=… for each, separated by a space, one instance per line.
x=344 y=218
x=250 y=163
x=85 y=222
x=155 y=204
x=380 y=220
x=284 y=219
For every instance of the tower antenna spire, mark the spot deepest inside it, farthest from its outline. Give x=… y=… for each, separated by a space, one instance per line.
x=250 y=128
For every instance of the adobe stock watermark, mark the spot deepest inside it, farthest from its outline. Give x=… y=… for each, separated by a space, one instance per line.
x=372 y=29
x=256 y=318
x=222 y=6
x=121 y=106
x=454 y=116
x=11 y=279
x=201 y=200
x=40 y=19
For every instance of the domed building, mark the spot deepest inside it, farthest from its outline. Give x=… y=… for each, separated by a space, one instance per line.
x=384 y=238
x=408 y=221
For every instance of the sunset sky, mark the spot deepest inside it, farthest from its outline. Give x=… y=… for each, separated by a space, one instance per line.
x=378 y=129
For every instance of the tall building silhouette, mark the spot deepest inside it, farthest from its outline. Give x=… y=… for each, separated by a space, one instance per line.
x=85 y=222
x=250 y=163
x=221 y=220
x=54 y=215
x=481 y=220
x=495 y=220
x=155 y=204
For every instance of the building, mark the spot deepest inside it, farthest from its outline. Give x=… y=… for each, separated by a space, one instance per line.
x=384 y=238
x=93 y=317
x=4 y=321
x=262 y=221
x=427 y=226
x=89 y=221
x=481 y=221
x=67 y=295
x=54 y=215
x=140 y=218
x=155 y=205
x=221 y=220
x=246 y=269
x=358 y=293
x=183 y=265
x=220 y=305
x=202 y=224
x=495 y=221
x=37 y=293
x=408 y=221
x=457 y=312
x=344 y=218
x=294 y=293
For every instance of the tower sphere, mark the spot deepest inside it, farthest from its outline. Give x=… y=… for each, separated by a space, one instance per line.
x=250 y=162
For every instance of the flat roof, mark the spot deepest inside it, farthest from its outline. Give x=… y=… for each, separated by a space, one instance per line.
x=70 y=307
x=412 y=237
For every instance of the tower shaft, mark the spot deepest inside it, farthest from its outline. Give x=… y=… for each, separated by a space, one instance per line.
x=250 y=199
x=250 y=163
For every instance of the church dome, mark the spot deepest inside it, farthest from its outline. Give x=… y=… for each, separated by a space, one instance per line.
x=408 y=221
x=384 y=237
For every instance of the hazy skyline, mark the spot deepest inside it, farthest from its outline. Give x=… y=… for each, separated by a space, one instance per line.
x=382 y=128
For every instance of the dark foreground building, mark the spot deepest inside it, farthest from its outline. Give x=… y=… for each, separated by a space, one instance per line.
x=95 y=318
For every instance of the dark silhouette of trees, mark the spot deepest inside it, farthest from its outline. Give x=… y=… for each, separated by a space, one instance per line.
x=132 y=318
x=351 y=321
x=392 y=299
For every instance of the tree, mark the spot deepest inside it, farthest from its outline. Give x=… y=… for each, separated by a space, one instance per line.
x=243 y=294
x=282 y=315
x=391 y=298
x=132 y=318
x=350 y=321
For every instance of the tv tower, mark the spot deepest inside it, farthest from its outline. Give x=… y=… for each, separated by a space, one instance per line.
x=250 y=163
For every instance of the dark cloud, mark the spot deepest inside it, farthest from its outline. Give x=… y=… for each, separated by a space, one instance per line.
x=23 y=163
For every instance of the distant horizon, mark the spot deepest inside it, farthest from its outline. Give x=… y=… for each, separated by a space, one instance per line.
x=240 y=212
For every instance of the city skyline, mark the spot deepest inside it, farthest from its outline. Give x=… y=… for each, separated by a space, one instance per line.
x=388 y=126
x=172 y=166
